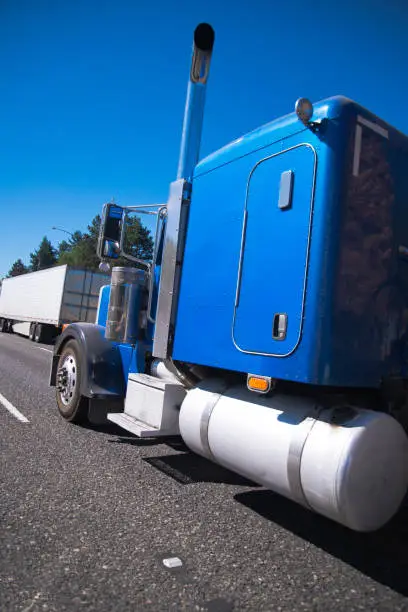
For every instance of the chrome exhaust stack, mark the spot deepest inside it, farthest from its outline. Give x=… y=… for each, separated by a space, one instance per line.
x=194 y=109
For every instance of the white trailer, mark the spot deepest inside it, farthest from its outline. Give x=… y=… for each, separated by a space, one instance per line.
x=49 y=299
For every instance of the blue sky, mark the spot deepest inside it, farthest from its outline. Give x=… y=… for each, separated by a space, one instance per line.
x=92 y=92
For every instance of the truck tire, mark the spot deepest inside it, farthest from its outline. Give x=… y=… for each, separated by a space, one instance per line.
x=72 y=406
x=40 y=333
x=6 y=326
x=31 y=332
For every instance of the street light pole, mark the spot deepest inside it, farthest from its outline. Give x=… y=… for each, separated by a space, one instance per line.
x=60 y=229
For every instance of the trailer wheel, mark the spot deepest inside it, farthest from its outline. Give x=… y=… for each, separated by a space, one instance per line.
x=6 y=326
x=40 y=333
x=31 y=332
x=71 y=404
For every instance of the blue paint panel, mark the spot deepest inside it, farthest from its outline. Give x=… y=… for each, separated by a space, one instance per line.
x=275 y=254
x=355 y=318
x=115 y=212
x=288 y=126
x=127 y=355
x=104 y=296
x=210 y=272
x=133 y=358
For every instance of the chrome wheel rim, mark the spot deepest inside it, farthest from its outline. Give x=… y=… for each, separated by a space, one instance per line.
x=67 y=378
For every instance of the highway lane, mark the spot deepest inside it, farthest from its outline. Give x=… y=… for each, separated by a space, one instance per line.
x=88 y=515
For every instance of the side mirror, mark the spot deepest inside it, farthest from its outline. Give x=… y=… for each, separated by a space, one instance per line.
x=110 y=232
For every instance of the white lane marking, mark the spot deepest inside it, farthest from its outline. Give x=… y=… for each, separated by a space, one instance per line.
x=44 y=349
x=12 y=409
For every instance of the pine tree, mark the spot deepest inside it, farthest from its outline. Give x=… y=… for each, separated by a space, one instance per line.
x=138 y=240
x=43 y=257
x=81 y=253
x=17 y=268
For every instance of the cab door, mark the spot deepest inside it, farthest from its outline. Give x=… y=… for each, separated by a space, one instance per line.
x=277 y=225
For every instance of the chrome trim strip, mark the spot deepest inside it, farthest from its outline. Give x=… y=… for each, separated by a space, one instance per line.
x=160 y=215
x=373 y=126
x=144 y=206
x=214 y=392
x=296 y=446
x=141 y=211
x=238 y=288
x=357 y=150
x=170 y=270
x=241 y=256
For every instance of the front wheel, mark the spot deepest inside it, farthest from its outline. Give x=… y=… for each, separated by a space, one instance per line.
x=71 y=404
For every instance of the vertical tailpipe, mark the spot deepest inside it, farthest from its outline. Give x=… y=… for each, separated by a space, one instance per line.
x=194 y=110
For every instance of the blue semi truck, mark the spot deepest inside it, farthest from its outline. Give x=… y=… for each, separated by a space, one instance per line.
x=283 y=356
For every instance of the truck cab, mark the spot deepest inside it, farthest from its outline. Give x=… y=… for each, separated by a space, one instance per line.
x=282 y=355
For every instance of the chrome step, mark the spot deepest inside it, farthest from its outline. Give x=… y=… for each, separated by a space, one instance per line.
x=140 y=429
x=152 y=406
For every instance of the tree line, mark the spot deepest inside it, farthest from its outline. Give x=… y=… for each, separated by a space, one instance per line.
x=80 y=250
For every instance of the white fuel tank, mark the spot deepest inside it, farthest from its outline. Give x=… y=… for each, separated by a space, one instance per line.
x=348 y=464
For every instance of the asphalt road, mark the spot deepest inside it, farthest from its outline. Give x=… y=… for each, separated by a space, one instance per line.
x=89 y=515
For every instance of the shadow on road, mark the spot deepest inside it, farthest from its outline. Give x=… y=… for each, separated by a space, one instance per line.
x=382 y=555
x=188 y=468
x=25 y=337
x=175 y=443
x=106 y=428
x=111 y=429
x=185 y=467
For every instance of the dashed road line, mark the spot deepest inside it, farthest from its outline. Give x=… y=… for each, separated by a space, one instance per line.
x=12 y=409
